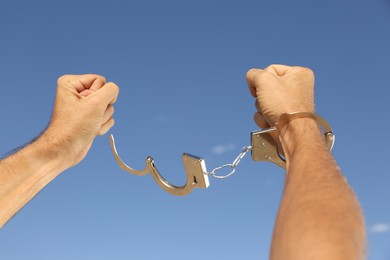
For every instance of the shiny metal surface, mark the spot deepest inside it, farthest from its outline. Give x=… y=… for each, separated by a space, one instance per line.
x=232 y=166
x=194 y=166
x=264 y=147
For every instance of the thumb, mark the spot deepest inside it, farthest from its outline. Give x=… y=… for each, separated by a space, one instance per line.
x=251 y=77
x=108 y=93
x=258 y=78
x=86 y=92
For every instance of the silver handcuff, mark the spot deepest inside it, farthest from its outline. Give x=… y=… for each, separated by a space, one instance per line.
x=263 y=148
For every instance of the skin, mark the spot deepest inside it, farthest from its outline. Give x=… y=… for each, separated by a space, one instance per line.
x=319 y=215
x=83 y=109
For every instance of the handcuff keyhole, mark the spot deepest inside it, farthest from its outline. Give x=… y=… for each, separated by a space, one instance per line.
x=195 y=181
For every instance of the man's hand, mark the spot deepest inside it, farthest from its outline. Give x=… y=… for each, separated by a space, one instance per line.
x=280 y=89
x=83 y=109
x=319 y=216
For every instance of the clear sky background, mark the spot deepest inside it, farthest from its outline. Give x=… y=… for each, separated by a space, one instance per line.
x=181 y=68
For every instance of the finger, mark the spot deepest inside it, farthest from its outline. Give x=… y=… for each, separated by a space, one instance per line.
x=91 y=81
x=80 y=82
x=305 y=72
x=108 y=114
x=251 y=78
x=98 y=83
x=108 y=93
x=107 y=126
x=86 y=92
x=257 y=104
x=260 y=121
x=263 y=124
x=278 y=69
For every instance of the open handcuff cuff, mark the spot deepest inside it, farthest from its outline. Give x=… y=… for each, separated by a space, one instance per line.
x=263 y=148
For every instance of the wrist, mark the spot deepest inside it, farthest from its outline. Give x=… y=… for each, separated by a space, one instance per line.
x=302 y=130
x=50 y=150
x=299 y=133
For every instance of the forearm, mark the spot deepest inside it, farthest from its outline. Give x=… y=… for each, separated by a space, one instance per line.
x=319 y=216
x=83 y=109
x=25 y=173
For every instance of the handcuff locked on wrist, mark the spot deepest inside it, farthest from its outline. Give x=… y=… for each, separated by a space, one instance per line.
x=263 y=148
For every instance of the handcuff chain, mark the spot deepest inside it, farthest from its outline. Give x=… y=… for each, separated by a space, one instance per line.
x=232 y=165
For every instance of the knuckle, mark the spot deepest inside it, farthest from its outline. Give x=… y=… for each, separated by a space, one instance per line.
x=99 y=79
x=308 y=71
x=110 y=84
x=304 y=70
x=102 y=78
x=63 y=78
x=261 y=76
x=113 y=86
x=273 y=66
x=252 y=73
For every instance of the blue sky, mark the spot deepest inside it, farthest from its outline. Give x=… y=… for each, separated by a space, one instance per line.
x=181 y=68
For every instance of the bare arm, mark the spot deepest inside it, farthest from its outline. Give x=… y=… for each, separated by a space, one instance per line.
x=83 y=110
x=319 y=216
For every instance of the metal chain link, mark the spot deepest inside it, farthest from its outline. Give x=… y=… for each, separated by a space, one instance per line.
x=232 y=165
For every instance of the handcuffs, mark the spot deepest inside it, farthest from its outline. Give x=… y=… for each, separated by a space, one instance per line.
x=263 y=149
